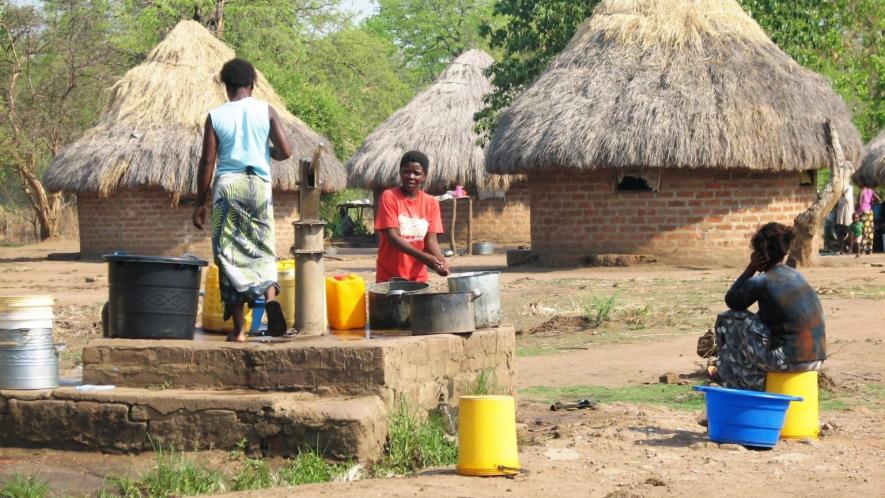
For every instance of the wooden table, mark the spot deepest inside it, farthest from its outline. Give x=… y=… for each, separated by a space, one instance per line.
x=455 y=201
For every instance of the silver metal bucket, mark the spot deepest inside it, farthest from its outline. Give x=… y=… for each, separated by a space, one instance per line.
x=29 y=367
x=487 y=309
x=26 y=338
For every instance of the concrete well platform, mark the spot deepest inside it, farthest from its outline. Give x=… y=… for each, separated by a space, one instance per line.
x=424 y=369
x=130 y=420
x=331 y=393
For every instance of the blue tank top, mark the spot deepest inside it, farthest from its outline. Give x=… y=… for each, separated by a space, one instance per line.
x=243 y=129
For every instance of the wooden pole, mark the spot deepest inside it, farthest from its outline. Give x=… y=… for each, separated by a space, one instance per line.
x=470 y=226
x=454 y=219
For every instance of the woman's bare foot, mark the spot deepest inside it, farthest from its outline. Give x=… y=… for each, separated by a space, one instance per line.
x=241 y=337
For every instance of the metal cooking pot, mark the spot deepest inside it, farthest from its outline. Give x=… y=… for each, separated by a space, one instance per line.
x=443 y=312
x=389 y=305
x=488 y=307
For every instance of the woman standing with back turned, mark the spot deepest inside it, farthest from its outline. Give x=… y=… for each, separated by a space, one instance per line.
x=236 y=136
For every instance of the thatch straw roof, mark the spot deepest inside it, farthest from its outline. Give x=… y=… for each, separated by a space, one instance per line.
x=150 y=132
x=438 y=122
x=872 y=165
x=674 y=84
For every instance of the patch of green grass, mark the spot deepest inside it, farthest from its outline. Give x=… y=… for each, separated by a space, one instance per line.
x=255 y=474
x=173 y=474
x=309 y=467
x=871 y=396
x=485 y=383
x=669 y=395
x=25 y=487
x=416 y=442
x=599 y=310
x=526 y=351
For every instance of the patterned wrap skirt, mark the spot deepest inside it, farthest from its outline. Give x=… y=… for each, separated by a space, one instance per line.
x=243 y=239
x=745 y=352
x=868 y=231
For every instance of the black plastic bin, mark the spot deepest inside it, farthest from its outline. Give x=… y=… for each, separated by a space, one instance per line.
x=153 y=297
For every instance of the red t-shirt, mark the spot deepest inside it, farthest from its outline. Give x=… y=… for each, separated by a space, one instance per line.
x=414 y=218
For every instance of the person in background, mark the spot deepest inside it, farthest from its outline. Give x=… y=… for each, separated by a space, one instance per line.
x=856 y=234
x=867 y=198
x=242 y=136
x=408 y=220
x=788 y=333
x=844 y=213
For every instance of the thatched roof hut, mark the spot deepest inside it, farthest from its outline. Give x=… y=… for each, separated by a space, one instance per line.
x=674 y=84
x=150 y=132
x=439 y=122
x=872 y=165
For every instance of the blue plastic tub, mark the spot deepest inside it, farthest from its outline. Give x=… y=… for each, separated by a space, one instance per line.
x=742 y=417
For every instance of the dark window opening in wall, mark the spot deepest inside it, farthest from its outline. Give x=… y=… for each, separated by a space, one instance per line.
x=633 y=184
x=808 y=178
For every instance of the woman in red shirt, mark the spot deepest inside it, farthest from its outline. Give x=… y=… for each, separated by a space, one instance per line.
x=408 y=219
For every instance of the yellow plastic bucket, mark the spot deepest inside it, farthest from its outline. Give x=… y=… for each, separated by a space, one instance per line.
x=802 y=420
x=487 y=436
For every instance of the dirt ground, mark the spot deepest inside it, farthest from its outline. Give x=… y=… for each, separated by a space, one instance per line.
x=654 y=315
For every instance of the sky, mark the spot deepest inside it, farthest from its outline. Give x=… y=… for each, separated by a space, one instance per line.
x=363 y=8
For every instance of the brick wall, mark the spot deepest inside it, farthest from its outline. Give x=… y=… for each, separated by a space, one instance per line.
x=146 y=222
x=503 y=221
x=706 y=214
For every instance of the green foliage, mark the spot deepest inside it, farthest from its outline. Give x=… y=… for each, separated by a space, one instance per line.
x=599 y=310
x=20 y=486
x=255 y=474
x=485 y=383
x=841 y=39
x=415 y=442
x=309 y=467
x=173 y=474
x=430 y=33
x=534 y=31
x=329 y=211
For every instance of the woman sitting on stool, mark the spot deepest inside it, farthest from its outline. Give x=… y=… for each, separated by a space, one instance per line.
x=787 y=335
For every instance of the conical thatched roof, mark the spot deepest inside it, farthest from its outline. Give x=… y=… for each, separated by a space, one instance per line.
x=438 y=122
x=675 y=84
x=872 y=166
x=150 y=132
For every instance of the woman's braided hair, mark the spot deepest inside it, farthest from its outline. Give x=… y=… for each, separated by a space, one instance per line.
x=773 y=240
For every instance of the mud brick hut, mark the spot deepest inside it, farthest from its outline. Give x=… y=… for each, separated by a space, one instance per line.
x=439 y=122
x=135 y=172
x=872 y=166
x=668 y=128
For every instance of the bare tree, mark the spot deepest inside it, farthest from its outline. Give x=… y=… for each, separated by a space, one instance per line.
x=53 y=66
x=807 y=225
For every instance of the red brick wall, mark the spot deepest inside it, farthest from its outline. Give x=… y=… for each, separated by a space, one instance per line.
x=146 y=222
x=503 y=221
x=704 y=214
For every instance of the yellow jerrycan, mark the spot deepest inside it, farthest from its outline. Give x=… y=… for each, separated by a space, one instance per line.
x=346 y=302
x=213 y=308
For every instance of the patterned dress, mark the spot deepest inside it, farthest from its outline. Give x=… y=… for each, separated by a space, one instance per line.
x=243 y=237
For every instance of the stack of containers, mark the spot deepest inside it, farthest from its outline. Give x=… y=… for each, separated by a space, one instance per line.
x=28 y=356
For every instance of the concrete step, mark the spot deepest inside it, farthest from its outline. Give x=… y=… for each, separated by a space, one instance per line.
x=422 y=368
x=128 y=420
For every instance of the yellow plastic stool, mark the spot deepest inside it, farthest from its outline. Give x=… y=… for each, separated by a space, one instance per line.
x=802 y=420
x=487 y=436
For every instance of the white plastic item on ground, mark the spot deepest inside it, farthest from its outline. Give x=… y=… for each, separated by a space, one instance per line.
x=95 y=387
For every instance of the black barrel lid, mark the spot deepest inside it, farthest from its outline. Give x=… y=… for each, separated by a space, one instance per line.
x=187 y=259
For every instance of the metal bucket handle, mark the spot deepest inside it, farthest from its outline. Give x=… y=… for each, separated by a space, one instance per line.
x=475 y=294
